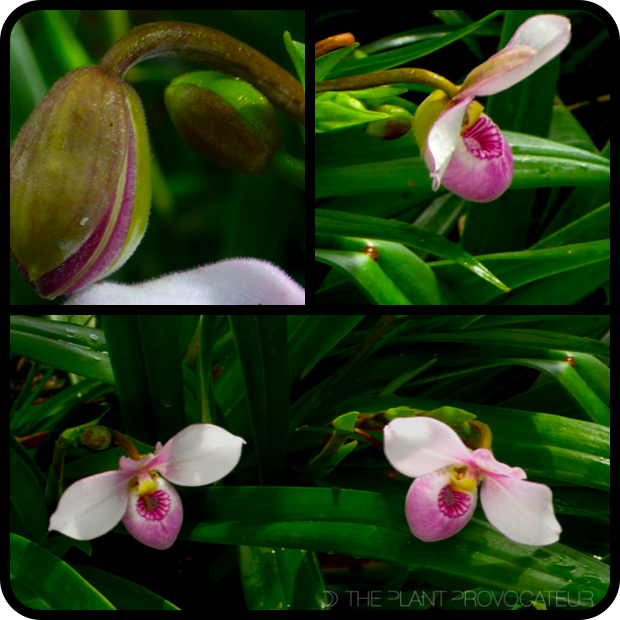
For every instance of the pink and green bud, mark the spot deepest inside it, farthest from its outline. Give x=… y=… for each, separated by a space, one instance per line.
x=80 y=183
x=226 y=120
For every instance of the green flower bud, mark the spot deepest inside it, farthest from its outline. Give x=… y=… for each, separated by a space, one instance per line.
x=80 y=183
x=226 y=120
x=96 y=437
x=391 y=128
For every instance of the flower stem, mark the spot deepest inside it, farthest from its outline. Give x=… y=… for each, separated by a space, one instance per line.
x=394 y=76
x=290 y=169
x=369 y=438
x=214 y=48
x=486 y=437
x=126 y=444
x=331 y=43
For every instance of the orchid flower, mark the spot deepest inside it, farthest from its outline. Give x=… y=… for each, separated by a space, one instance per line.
x=140 y=492
x=462 y=147
x=444 y=494
x=242 y=281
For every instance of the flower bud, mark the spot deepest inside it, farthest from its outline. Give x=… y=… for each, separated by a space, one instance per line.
x=80 y=183
x=226 y=120
x=96 y=437
x=391 y=128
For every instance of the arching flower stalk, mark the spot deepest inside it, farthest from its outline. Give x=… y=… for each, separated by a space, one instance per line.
x=462 y=148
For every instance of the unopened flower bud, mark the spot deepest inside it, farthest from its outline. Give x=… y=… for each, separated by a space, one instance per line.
x=97 y=437
x=226 y=120
x=391 y=128
x=80 y=183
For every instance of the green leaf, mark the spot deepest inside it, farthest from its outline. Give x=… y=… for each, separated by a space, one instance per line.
x=397 y=57
x=538 y=163
x=123 y=594
x=284 y=579
x=40 y=580
x=297 y=52
x=336 y=111
x=28 y=510
x=82 y=350
x=346 y=422
x=337 y=222
x=373 y=525
x=159 y=338
x=262 y=349
x=397 y=276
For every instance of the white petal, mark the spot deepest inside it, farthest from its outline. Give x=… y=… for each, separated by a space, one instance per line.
x=443 y=139
x=237 y=281
x=92 y=506
x=419 y=446
x=199 y=454
x=519 y=509
x=548 y=35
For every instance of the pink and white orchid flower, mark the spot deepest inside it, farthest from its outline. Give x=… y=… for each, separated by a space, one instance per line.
x=148 y=504
x=462 y=148
x=444 y=494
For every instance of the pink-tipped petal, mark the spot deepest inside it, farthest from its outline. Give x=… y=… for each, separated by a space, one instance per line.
x=498 y=73
x=199 y=454
x=419 y=446
x=537 y=41
x=435 y=511
x=129 y=465
x=519 y=509
x=489 y=464
x=92 y=506
x=482 y=167
x=155 y=518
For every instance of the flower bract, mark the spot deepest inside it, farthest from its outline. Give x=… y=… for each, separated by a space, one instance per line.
x=140 y=492
x=444 y=494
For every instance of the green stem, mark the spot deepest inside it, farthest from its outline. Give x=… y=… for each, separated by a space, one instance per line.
x=214 y=48
x=290 y=169
x=394 y=76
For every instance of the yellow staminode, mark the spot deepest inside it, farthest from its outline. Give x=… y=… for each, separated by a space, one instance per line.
x=147 y=487
x=460 y=482
x=473 y=114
